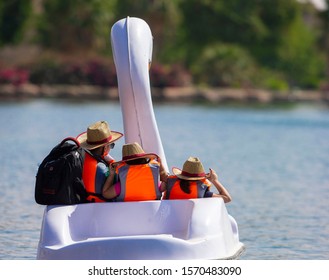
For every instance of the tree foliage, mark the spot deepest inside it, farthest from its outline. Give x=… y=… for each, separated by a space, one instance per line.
x=162 y=16
x=271 y=31
x=324 y=34
x=298 y=56
x=13 y=18
x=224 y=65
x=222 y=43
x=255 y=25
x=71 y=25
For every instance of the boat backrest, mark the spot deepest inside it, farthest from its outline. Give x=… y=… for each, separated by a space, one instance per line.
x=129 y=219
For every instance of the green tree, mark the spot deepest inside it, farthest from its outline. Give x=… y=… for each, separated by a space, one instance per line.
x=162 y=16
x=298 y=56
x=13 y=18
x=324 y=35
x=264 y=28
x=71 y=25
x=254 y=24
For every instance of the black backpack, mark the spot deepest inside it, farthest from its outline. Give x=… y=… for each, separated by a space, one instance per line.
x=59 y=176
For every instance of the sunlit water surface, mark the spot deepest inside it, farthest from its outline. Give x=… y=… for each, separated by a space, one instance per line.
x=274 y=162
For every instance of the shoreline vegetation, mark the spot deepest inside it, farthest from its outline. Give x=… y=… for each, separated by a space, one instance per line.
x=10 y=92
x=61 y=49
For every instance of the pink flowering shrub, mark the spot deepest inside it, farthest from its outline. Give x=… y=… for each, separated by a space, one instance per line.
x=94 y=72
x=13 y=76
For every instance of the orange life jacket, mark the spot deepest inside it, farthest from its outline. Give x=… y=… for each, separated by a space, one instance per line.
x=89 y=177
x=198 y=189
x=139 y=182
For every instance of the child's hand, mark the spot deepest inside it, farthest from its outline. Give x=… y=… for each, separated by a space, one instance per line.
x=212 y=175
x=113 y=166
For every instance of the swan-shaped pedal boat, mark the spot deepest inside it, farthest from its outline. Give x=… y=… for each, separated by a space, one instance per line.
x=143 y=230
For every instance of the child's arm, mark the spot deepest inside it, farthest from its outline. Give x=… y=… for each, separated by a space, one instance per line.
x=163 y=175
x=222 y=191
x=108 y=188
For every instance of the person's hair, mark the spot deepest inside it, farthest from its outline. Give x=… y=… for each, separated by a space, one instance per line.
x=138 y=161
x=185 y=186
x=97 y=151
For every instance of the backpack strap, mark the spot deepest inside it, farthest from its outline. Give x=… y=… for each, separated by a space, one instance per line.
x=70 y=139
x=73 y=139
x=98 y=158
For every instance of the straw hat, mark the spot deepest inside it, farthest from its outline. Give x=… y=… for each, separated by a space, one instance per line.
x=97 y=135
x=132 y=151
x=192 y=170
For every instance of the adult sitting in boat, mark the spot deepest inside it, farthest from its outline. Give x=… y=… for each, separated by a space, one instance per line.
x=98 y=140
x=193 y=182
x=139 y=176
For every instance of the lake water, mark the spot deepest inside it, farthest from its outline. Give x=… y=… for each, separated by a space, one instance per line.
x=274 y=162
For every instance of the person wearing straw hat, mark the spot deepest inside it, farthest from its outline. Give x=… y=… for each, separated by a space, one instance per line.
x=139 y=176
x=98 y=140
x=192 y=182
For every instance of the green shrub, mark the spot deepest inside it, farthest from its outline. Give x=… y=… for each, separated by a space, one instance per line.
x=224 y=65
x=270 y=79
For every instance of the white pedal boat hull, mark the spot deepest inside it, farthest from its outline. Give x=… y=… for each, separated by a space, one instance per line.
x=148 y=230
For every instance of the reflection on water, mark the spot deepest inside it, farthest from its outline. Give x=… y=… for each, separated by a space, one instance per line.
x=273 y=161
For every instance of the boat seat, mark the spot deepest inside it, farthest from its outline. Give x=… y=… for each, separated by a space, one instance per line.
x=179 y=218
x=130 y=219
x=163 y=229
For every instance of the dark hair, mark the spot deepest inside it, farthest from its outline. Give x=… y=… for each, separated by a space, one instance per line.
x=185 y=186
x=97 y=151
x=138 y=161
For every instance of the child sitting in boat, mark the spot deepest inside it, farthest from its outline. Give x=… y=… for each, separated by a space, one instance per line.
x=139 y=176
x=193 y=182
x=98 y=140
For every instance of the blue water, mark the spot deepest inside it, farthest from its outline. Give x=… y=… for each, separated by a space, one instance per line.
x=274 y=162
